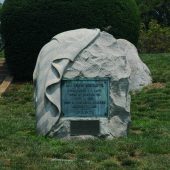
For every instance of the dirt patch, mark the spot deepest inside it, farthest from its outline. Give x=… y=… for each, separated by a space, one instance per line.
x=156 y=86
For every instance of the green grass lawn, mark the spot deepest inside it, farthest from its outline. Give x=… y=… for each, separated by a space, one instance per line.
x=146 y=148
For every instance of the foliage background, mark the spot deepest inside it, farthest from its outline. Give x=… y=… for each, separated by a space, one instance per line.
x=29 y=24
x=155 y=26
x=31 y=33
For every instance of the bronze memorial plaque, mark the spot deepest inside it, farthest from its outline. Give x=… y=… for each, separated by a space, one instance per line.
x=85 y=97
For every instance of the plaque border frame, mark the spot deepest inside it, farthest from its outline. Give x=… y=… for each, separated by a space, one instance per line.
x=90 y=79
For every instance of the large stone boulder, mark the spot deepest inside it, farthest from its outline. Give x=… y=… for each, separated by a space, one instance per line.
x=87 y=54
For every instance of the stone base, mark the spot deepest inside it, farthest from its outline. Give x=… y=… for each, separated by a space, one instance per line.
x=108 y=129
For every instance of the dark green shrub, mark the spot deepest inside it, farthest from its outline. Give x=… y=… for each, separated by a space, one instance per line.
x=154 y=9
x=28 y=24
x=154 y=40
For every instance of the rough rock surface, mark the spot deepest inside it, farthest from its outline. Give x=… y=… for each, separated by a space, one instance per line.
x=140 y=74
x=101 y=58
x=105 y=57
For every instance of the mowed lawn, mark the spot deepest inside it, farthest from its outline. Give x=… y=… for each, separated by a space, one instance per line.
x=147 y=146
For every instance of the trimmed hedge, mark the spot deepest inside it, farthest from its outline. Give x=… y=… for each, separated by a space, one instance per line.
x=29 y=24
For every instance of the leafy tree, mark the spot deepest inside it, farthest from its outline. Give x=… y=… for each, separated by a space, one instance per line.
x=155 y=9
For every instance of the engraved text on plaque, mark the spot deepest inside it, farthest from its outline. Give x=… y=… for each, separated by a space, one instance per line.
x=85 y=97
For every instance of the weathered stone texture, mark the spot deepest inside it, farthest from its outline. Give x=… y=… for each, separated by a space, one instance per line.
x=103 y=57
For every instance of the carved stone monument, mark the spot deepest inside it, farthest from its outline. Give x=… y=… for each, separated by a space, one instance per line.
x=82 y=80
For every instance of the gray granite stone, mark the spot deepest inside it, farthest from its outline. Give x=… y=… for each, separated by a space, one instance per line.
x=87 y=54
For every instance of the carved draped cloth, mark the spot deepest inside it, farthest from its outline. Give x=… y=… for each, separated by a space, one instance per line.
x=52 y=61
